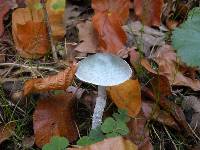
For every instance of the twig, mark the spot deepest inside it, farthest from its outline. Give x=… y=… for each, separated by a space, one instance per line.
x=46 y=18
x=29 y=67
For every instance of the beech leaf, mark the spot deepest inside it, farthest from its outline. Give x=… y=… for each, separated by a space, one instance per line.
x=127 y=96
x=149 y=11
x=54 y=117
x=55 y=82
x=112 y=37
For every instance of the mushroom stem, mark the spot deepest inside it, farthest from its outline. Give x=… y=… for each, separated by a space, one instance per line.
x=99 y=107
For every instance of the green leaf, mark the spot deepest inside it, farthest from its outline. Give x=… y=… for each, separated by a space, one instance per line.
x=96 y=134
x=122 y=115
x=122 y=128
x=85 y=140
x=108 y=125
x=56 y=143
x=60 y=4
x=38 y=6
x=113 y=134
x=186 y=39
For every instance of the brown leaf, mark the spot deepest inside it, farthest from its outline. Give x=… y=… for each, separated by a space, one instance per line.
x=54 y=117
x=55 y=82
x=151 y=111
x=88 y=38
x=127 y=96
x=168 y=66
x=170 y=107
x=6 y=131
x=112 y=37
x=29 y=33
x=139 y=133
x=116 y=143
x=119 y=7
x=149 y=11
x=5 y=6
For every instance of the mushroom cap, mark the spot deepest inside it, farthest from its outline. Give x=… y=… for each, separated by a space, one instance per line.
x=103 y=69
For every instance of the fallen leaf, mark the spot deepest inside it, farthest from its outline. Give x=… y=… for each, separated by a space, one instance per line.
x=6 y=131
x=54 y=117
x=55 y=15
x=127 y=96
x=139 y=133
x=88 y=38
x=153 y=112
x=170 y=107
x=149 y=11
x=146 y=36
x=167 y=61
x=55 y=82
x=5 y=6
x=119 y=7
x=111 y=36
x=29 y=33
x=116 y=143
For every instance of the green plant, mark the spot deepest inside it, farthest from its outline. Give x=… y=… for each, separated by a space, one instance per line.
x=111 y=127
x=186 y=39
x=56 y=143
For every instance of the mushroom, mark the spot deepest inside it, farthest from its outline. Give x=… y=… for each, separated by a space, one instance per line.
x=103 y=70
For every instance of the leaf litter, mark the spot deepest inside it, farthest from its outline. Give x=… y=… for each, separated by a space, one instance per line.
x=150 y=97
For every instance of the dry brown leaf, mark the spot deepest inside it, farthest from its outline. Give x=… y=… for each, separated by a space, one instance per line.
x=149 y=11
x=6 y=131
x=119 y=7
x=127 y=96
x=55 y=82
x=139 y=133
x=167 y=61
x=151 y=111
x=54 y=117
x=112 y=37
x=88 y=38
x=56 y=17
x=116 y=143
x=29 y=33
x=170 y=107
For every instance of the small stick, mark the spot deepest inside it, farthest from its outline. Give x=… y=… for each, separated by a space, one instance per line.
x=29 y=67
x=46 y=18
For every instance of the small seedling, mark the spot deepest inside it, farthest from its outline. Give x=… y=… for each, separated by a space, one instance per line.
x=56 y=143
x=111 y=127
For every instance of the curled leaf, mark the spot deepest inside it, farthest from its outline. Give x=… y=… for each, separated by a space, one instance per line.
x=55 y=82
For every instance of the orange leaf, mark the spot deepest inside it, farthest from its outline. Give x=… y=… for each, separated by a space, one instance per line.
x=54 y=117
x=29 y=33
x=127 y=96
x=119 y=7
x=149 y=11
x=55 y=82
x=112 y=37
x=116 y=143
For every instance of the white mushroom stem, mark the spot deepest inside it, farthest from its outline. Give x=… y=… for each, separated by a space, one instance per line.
x=99 y=107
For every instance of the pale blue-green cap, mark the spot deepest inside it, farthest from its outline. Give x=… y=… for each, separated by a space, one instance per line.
x=103 y=69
